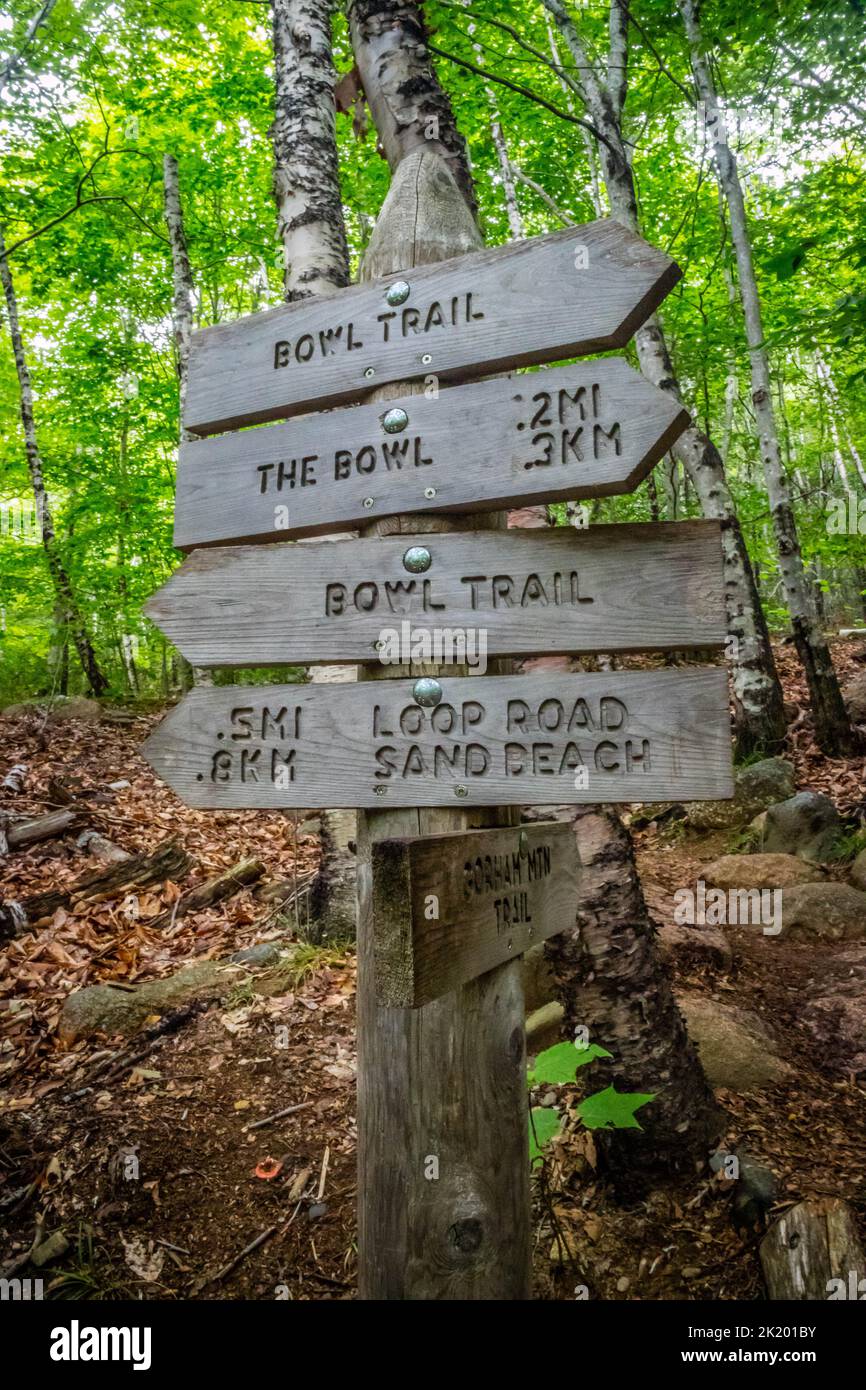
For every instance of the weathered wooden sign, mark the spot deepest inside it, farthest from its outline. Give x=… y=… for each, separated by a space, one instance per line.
x=588 y=430
x=450 y=907
x=582 y=290
x=535 y=740
x=452 y=599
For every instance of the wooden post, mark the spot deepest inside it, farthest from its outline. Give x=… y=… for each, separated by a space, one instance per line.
x=443 y=1167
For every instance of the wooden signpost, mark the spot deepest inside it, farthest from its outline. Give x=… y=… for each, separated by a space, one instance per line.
x=442 y=918
x=588 y=430
x=451 y=907
x=508 y=307
x=620 y=588
x=549 y=740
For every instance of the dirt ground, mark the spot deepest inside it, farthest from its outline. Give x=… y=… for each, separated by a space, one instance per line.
x=153 y=1169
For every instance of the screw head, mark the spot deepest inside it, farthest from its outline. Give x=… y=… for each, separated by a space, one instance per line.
x=379 y=790
x=460 y=791
x=369 y=371
x=427 y=358
x=429 y=492
x=398 y=293
x=368 y=501
x=395 y=421
x=427 y=692
x=417 y=559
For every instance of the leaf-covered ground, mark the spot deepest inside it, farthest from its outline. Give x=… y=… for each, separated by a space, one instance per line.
x=152 y=1166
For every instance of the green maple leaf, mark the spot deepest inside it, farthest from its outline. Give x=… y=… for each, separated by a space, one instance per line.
x=558 y=1065
x=543 y=1124
x=611 y=1109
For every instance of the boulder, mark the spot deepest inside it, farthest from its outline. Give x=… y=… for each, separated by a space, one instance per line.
x=756 y=787
x=736 y=1049
x=59 y=708
x=807 y=825
x=759 y=871
x=857 y=872
x=824 y=912
x=835 y=1013
x=854 y=695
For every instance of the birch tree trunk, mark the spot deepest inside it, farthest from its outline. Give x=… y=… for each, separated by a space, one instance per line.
x=181 y=320
x=315 y=258
x=310 y=223
x=65 y=603
x=758 y=703
x=833 y=729
x=649 y=1030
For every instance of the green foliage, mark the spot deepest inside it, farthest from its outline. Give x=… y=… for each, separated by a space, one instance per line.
x=607 y=1109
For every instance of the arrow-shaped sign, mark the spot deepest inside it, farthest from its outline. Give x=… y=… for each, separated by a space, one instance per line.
x=582 y=290
x=546 y=739
x=449 y=598
x=587 y=430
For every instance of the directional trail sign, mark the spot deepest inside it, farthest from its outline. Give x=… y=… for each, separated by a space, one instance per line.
x=506 y=740
x=578 y=291
x=417 y=598
x=587 y=430
x=450 y=907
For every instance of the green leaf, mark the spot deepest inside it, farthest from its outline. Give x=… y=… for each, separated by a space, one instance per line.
x=543 y=1124
x=611 y=1109
x=558 y=1065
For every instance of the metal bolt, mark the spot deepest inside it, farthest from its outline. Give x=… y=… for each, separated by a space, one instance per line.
x=369 y=371
x=398 y=293
x=380 y=790
x=427 y=358
x=427 y=691
x=460 y=791
x=417 y=559
x=368 y=501
x=429 y=492
x=394 y=421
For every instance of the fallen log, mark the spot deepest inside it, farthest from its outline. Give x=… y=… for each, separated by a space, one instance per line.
x=812 y=1252
x=27 y=832
x=239 y=876
x=167 y=861
x=101 y=847
x=14 y=779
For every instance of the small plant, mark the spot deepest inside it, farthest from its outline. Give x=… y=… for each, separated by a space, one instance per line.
x=607 y=1109
x=847 y=846
x=744 y=841
x=86 y=1279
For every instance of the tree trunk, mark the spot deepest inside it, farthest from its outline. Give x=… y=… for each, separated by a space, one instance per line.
x=316 y=262
x=310 y=222
x=758 y=703
x=833 y=729
x=62 y=585
x=181 y=318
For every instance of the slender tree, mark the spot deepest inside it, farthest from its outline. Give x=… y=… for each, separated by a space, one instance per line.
x=65 y=601
x=602 y=87
x=832 y=726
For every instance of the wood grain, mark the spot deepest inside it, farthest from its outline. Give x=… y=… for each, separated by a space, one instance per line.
x=588 y=430
x=640 y=736
x=612 y=588
x=581 y=290
x=451 y=907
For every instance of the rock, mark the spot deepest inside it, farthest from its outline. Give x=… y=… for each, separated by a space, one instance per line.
x=735 y=1046
x=836 y=1014
x=265 y=953
x=807 y=825
x=857 y=872
x=854 y=695
x=759 y=871
x=59 y=708
x=689 y=947
x=104 y=1009
x=54 y=1248
x=756 y=787
x=824 y=912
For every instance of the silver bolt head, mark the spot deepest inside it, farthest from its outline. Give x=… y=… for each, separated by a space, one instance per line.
x=368 y=502
x=369 y=371
x=395 y=421
x=427 y=691
x=429 y=492
x=380 y=790
x=398 y=293
x=417 y=559
x=426 y=358
x=460 y=791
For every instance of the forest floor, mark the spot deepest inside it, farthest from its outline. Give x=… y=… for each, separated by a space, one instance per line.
x=152 y=1166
